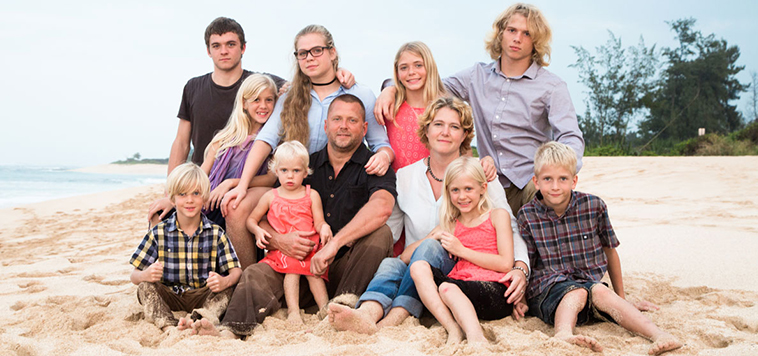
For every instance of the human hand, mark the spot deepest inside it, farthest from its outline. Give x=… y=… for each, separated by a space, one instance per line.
x=517 y=286
x=215 y=282
x=644 y=305
x=488 y=165
x=217 y=195
x=293 y=244
x=322 y=259
x=326 y=234
x=451 y=244
x=384 y=106
x=232 y=198
x=284 y=88
x=153 y=273
x=345 y=78
x=261 y=237
x=164 y=204
x=519 y=310
x=378 y=164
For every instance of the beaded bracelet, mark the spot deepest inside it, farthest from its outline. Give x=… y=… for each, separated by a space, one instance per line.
x=526 y=274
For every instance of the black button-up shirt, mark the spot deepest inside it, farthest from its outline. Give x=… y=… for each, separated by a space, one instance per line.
x=342 y=196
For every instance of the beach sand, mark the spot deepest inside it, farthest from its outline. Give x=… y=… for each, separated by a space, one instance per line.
x=688 y=228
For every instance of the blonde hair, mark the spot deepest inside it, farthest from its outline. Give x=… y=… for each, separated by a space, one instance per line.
x=294 y=115
x=290 y=150
x=467 y=167
x=455 y=104
x=433 y=86
x=539 y=31
x=238 y=127
x=555 y=154
x=187 y=177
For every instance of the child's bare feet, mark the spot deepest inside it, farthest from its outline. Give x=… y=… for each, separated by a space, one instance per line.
x=185 y=324
x=664 y=343
x=455 y=337
x=346 y=318
x=580 y=340
x=294 y=318
x=205 y=327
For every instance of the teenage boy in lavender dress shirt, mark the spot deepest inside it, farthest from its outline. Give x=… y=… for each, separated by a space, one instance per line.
x=518 y=105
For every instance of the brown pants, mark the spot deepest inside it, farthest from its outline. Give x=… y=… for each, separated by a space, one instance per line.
x=159 y=300
x=519 y=197
x=260 y=290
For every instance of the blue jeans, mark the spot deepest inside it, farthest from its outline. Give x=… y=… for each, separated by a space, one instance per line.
x=392 y=285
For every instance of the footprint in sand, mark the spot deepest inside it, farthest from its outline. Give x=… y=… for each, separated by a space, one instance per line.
x=100 y=280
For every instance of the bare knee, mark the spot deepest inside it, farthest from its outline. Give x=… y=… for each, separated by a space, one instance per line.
x=601 y=293
x=575 y=299
x=447 y=289
x=419 y=269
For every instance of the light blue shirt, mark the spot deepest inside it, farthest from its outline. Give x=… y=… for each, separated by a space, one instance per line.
x=376 y=135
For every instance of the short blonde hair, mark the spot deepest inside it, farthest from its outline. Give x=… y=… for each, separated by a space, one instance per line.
x=288 y=151
x=462 y=166
x=555 y=154
x=539 y=30
x=186 y=178
x=455 y=104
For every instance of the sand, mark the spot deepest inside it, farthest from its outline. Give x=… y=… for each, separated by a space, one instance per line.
x=689 y=242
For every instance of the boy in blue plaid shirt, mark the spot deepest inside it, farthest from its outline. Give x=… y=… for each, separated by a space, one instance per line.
x=185 y=262
x=571 y=244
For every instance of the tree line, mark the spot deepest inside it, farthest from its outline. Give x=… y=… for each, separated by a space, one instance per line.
x=644 y=100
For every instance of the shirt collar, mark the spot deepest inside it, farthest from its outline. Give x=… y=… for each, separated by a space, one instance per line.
x=544 y=209
x=361 y=155
x=530 y=73
x=172 y=226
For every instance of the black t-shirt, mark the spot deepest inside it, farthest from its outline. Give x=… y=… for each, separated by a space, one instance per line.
x=207 y=106
x=341 y=198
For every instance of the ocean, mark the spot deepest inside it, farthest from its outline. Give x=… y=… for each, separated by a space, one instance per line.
x=21 y=185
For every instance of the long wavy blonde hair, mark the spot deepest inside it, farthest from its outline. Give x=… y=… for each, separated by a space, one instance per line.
x=461 y=166
x=433 y=86
x=294 y=115
x=240 y=123
x=539 y=30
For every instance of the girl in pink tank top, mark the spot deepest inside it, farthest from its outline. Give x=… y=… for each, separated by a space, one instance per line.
x=481 y=239
x=292 y=207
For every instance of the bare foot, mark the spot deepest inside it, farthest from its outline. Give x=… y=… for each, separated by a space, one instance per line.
x=395 y=317
x=185 y=324
x=664 y=343
x=205 y=327
x=294 y=318
x=346 y=318
x=455 y=337
x=580 y=340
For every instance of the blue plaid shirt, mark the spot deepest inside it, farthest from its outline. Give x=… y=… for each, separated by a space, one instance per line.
x=187 y=260
x=569 y=247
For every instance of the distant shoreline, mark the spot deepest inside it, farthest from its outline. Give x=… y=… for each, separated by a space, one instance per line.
x=136 y=169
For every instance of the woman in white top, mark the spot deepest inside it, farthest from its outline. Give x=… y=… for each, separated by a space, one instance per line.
x=446 y=128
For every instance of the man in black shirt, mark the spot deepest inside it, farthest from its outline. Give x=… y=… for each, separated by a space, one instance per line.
x=356 y=205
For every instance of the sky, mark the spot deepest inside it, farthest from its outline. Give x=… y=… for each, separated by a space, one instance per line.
x=91 y=82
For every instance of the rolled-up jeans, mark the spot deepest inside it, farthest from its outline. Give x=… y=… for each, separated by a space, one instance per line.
x=392 y=285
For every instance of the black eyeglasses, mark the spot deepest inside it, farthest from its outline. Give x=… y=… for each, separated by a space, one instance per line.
x=315 y=52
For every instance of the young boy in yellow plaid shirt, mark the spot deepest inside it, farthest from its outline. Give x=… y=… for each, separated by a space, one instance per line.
x=185 y=262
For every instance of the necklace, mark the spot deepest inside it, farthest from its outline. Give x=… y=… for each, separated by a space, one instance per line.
x=323 y=84
x=429 y=169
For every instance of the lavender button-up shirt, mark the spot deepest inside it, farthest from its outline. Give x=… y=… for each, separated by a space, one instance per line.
x=513 y=116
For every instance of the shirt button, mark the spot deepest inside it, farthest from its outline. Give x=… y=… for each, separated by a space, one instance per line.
x=330 y=177
x=328 y=215
x=497 y=116
x=331 y=195
x=503 y=99
x=500 y=153
x=508 y=80
x=504 y=170
x=494 y=136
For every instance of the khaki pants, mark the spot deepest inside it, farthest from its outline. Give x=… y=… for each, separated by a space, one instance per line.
x=519 y=197
x=260 y=290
